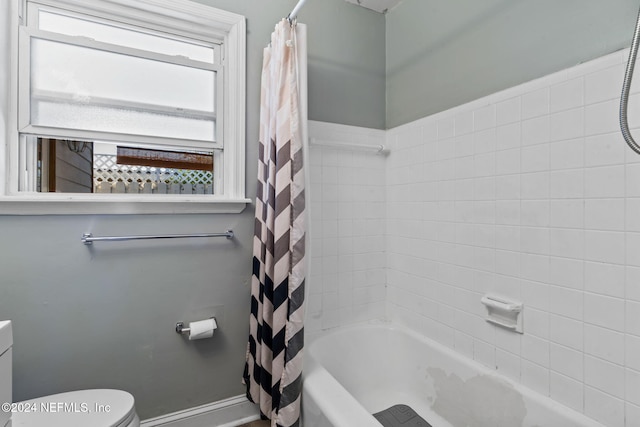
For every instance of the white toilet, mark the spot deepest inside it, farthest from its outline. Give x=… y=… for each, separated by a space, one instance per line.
x=94 y=408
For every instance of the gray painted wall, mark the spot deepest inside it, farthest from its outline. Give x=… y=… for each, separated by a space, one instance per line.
x=105 y=317
x=345 y=54
x=444 y=53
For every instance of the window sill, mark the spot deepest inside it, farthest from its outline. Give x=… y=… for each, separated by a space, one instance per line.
x=73 y=204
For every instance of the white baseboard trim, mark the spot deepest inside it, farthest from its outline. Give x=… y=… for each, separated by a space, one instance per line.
x=230 y=412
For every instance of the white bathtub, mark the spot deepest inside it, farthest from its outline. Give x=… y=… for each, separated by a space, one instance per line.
x=353 y=372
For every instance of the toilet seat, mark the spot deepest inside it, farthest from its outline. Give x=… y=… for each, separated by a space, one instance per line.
x=83 y=408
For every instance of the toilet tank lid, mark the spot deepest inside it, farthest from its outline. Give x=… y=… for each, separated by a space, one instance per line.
x=6 y=335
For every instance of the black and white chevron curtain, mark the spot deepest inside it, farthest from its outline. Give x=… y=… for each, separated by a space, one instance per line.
x=273 y=371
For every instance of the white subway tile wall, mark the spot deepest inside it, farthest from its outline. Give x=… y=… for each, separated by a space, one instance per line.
x=530 y=193
x=347 y=277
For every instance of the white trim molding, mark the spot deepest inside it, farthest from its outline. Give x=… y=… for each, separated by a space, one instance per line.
x=230 y=412
x=60 y=204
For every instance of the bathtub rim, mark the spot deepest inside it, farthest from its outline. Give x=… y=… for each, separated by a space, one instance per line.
x=313 y=366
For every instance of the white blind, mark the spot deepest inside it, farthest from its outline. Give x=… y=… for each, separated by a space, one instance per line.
x=90 y=76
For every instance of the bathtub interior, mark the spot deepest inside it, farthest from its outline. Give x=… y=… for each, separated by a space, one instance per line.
x=384 y=365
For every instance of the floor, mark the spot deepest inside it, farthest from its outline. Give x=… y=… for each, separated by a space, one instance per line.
x=256 y=424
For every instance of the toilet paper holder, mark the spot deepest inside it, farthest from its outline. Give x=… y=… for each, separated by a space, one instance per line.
x=180 y=329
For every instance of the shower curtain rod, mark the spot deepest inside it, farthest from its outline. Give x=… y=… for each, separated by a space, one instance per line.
x=294 y=12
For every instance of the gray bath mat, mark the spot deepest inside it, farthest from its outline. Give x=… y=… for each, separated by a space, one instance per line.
x=400 y=416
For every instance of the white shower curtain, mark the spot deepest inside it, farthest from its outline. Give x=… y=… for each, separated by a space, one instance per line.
x=273 y=371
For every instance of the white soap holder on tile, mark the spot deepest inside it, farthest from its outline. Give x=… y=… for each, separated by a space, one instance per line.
x=504 y=312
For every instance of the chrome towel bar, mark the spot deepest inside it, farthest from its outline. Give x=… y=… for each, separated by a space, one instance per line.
x=88 y=238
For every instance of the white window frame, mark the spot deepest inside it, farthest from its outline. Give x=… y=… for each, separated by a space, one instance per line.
x=185 y=18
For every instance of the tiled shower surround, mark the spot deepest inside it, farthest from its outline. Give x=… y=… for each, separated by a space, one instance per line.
x=348 y=211
x=531 y=194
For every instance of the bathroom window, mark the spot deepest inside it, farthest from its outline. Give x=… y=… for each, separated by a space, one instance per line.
x=139 y=103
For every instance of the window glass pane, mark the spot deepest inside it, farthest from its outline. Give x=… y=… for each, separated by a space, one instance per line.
x=73 y=26
x=83 y=73
x=89 y=89
x=66 y=166
x=119 y=168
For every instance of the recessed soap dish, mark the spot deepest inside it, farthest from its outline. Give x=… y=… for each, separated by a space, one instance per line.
x=504 y=312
